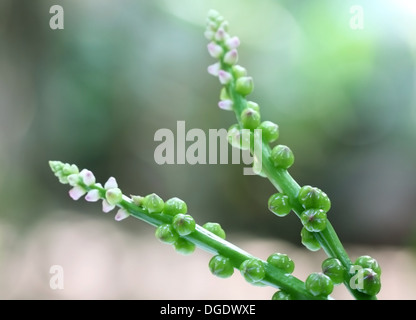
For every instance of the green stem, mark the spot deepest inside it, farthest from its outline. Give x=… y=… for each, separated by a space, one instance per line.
x=213 y=244
x=200 y=237
x=283 y=182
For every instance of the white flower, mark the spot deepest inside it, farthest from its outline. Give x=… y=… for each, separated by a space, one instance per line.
x=220 y=35
x=76 y=192
x=231 y=57
x=93 y=195
x=232 y=43
x=224 y=77
x=214 y=69
x=110 y=184
x=215 y=50
x=87 y=177
x=121 y=215
x=226 y=105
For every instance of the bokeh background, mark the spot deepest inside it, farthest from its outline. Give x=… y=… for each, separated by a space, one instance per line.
x=96 y=92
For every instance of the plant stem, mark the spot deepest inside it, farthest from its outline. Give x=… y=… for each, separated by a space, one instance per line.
x=213 y=244
x=283 y=182
x=84 y=183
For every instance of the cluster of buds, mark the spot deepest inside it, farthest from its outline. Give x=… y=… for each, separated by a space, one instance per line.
x=236 y=86
x=366 y=276
x=83 y=183
x=174 y=225
x=177 y=228
x=223 y=47
x=311 y=203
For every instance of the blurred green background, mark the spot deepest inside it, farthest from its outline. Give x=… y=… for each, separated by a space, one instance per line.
x=96 y=92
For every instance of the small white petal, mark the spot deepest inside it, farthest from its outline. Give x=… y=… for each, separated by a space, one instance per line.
x=214 y=68
x=111 y=183
x=233 y=43
x=121 y=215
x=220 y=34
x=93 y=195
x=226 y=105
x=231 y=57
x=87 y=177
x=215 y=50
x=224 y=77
x=76 y=192
x=107 y=207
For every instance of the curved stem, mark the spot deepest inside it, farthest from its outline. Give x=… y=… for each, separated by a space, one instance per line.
x=283 y=182
x=84 y=183
x=213 y=244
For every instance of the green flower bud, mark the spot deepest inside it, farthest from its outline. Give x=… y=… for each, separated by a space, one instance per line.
x=153 y=203
x=114 y=196
x=66 y=170
x=219 y=20
x=314 y=220
x=269 y=131
x=239 y=71
x=319 y=284
x=137 y=200
x=184 y=246
x=281 y=261
x=279 y=204
x=221 y=266
x=253 y=105
x=215 y=228
x=56 y=166
x=166 y=234
x=253 y=270
x=282 y=295
x=224 y=94
x=250 y=119
x=334 y=269
x=213 y=14
x=282 y=157
x=368 y=262
x=184 y=224
x=314 y=198
x=309 y=240
x=244 y=85
x=73 y=179
x=174 y=206
x=371 y=284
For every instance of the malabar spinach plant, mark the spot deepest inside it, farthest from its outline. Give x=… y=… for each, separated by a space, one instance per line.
x=176 y=227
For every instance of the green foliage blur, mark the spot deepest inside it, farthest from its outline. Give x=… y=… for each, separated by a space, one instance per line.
x=96 y=92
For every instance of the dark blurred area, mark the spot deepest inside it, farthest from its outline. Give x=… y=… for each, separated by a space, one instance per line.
x=96 y=92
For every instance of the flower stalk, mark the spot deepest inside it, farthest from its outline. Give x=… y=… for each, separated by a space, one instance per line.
x=176 y=227
x=276 y=161
x=172 y=213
